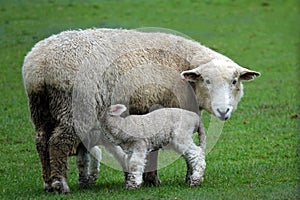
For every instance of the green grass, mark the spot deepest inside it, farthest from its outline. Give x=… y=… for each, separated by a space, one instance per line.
x=257 y=154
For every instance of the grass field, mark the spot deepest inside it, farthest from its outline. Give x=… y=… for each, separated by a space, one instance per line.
x=257 y=154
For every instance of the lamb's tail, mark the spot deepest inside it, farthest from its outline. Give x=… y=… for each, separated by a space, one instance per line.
x=117 y=109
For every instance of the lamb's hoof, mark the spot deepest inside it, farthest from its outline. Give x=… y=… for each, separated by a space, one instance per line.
x=196 y=182
x=188 y=178
x=151 y=179
x=61 y=186
x=47 y=187
x=93 y=178
x=132 y=186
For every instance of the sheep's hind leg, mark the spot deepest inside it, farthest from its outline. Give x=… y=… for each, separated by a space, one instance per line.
x=43 y=151
x=44 y=126
x=61 y=144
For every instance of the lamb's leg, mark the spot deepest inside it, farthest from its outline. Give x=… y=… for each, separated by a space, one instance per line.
x=136 y=164
x=150 y=175
x=61 y=144
x=188 y=171
x=83 y=160
x=95 y=155
x=195 y=157
x=118 y=154
x=202 y=145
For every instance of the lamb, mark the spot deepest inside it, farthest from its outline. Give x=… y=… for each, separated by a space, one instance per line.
x=137 y=135
x=71 y=79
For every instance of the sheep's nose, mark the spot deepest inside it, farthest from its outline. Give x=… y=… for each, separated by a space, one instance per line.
x=223 y=115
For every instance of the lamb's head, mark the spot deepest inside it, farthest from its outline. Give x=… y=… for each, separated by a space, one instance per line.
x=218 y=85
x=113 y=116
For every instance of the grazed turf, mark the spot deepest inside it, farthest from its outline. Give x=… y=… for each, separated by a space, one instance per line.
x=256 y=156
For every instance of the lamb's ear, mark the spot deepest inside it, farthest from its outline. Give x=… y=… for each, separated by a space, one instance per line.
x=117 y=110
x=190 y=75
x=247 y=75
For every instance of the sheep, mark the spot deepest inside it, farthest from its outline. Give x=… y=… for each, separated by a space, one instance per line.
x=71 y=78
x=137 y=135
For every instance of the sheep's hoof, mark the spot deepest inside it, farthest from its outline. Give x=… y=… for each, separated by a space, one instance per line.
x=84 y=185
x=83 y=182
x=87 y=182
x=61 y=187
x=151 y=179
x=47 y=187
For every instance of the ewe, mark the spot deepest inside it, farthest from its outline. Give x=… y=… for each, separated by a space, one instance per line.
x=71 y=78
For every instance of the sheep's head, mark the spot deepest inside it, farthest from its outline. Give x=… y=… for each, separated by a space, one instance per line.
x=218 y=85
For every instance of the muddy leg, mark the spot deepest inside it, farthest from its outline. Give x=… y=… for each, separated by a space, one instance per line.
x=188 y=171
x=150 y=175
x=136 y=164
x=61 y=144
x=202 y=145
x=195 y=158
x=82 y=161
x=95 y=158
x=41 y=142
x=44 y=126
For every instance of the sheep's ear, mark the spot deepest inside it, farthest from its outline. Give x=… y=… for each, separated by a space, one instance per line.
x=247 y=75
x=190 y=75
x=117 y=110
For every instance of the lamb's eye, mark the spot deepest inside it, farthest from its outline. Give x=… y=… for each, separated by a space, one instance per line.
x=234 y=82
x=207 y=81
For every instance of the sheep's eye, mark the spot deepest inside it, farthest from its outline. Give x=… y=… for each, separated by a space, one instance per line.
x=234 y=82
x=207 y=81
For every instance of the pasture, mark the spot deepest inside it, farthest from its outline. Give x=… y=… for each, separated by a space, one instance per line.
x=257 y=155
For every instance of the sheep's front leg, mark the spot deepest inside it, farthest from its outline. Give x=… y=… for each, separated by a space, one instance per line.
x=136 y=164
x=60 y=146
x=83 y=160
x=150 y=175
x=88 y=165
x=94 y=168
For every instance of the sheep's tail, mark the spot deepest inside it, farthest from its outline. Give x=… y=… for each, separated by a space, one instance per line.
x=201 y=136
